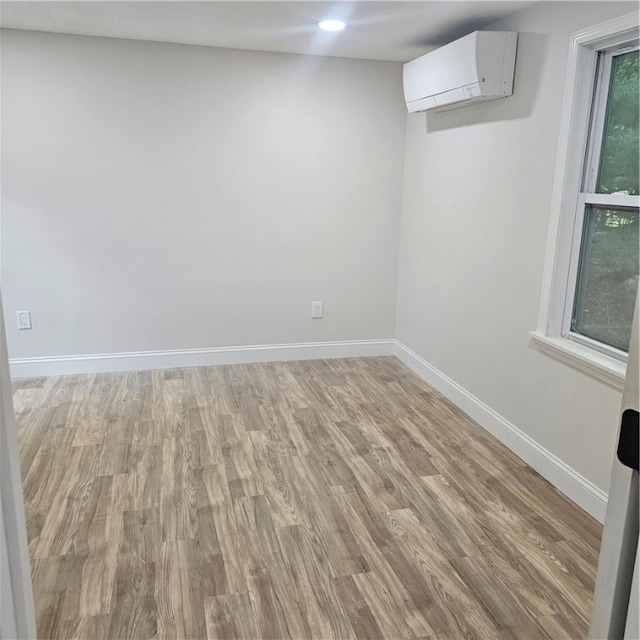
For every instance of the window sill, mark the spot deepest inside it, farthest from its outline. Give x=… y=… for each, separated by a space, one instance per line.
x=597 y=365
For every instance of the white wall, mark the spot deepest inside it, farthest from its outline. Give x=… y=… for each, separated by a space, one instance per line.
x=476 y=212
x=168 y=197
x=159 y=196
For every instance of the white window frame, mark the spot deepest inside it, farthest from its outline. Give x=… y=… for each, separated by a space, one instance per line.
x=588 y=195
x=553 y=335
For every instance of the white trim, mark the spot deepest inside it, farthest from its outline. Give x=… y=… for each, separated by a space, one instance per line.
x=144 y=360
x=572 y=277
x=558 y=473
x=571 y=483
x=566 y=184
x=611 y=200
x=591 y=343
x=598 y=365
x=610 y=33
x=17 y=613
x=598 y=118
x=564 y=234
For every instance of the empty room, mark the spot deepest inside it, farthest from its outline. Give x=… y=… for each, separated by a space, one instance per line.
x=318 y=320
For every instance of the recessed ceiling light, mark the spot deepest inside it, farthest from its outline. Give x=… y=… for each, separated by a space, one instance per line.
x=332 y=25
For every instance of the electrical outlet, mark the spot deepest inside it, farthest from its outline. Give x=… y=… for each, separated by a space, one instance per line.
x=316 y=310
x=24 y=320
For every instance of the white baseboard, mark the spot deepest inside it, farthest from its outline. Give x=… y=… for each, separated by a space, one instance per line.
x=144 y=360
x=571 y=483
x=576 y=487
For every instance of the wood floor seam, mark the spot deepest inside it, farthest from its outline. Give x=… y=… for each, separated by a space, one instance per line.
x=325 y=499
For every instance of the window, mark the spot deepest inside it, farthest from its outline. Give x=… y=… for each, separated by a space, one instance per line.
x=592 y=267
x=605 y=279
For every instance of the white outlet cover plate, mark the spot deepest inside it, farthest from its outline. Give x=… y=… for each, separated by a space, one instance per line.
x=24 y=319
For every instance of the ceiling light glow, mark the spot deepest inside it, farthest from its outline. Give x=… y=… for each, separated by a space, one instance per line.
x=332 y=25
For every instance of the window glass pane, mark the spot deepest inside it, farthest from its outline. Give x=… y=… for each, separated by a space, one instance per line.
x=607 y=276
x=619 y=160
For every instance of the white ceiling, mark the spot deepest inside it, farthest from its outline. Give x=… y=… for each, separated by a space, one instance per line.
x=379 y=30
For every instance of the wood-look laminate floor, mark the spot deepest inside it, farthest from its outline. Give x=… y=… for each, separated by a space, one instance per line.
x=321 y=499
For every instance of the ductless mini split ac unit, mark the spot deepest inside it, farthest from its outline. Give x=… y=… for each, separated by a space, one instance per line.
x=475 y=68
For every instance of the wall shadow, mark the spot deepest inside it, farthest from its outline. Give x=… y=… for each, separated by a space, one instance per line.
x=529 y=62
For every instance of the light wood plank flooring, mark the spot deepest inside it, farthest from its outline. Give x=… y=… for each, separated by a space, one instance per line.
x=321 y=499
